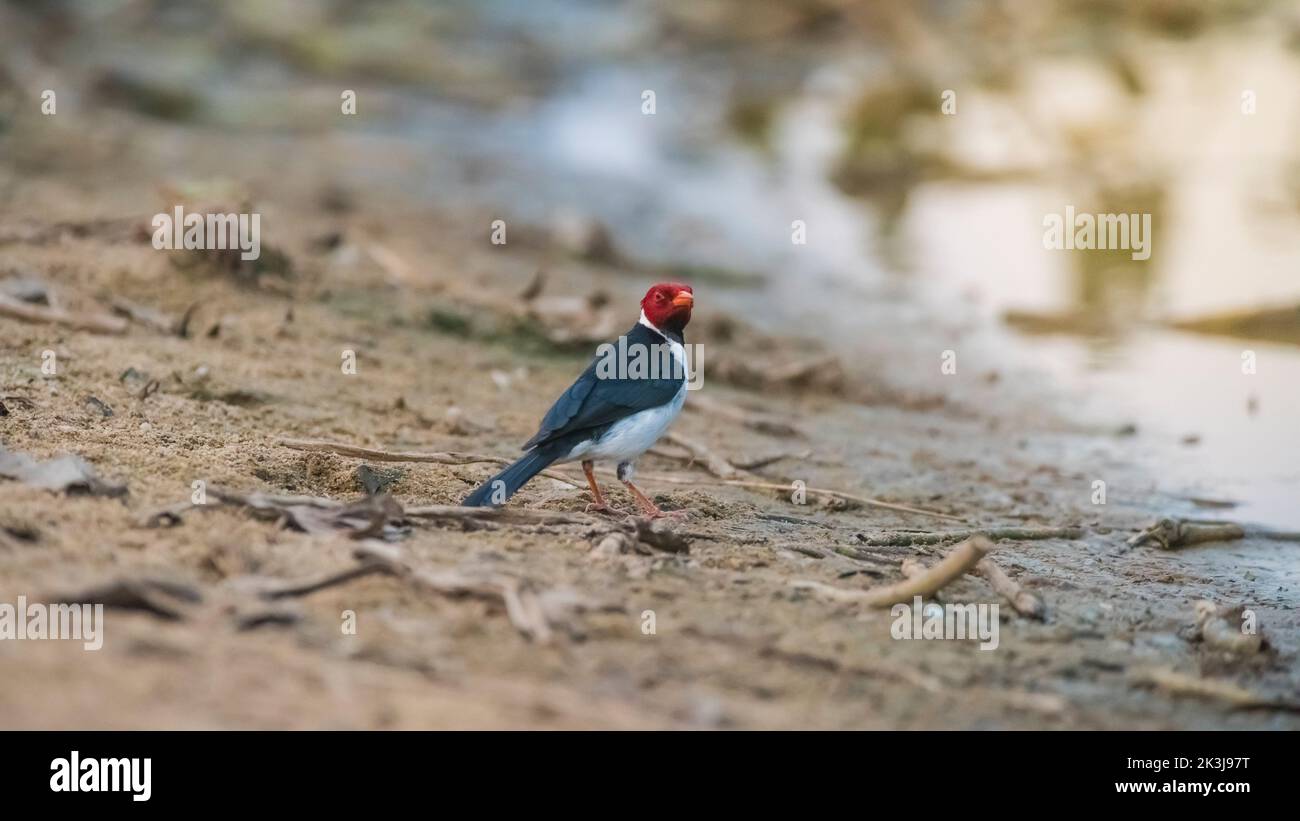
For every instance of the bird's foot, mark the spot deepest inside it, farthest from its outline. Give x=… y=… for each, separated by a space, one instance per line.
x=648 y=508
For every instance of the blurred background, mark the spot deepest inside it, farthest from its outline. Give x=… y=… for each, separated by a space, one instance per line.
x=924 y=225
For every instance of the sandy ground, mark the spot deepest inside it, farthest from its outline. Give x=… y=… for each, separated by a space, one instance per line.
x=736 y=644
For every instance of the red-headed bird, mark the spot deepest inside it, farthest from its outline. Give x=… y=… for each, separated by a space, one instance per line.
x=616 y=410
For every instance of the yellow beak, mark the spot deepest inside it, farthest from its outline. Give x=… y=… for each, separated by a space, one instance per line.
x=684 y=299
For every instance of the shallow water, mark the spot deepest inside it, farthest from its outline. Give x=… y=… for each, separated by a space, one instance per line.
x=678 y=186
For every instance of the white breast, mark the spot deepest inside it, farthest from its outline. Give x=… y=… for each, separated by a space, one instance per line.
x=628 y=438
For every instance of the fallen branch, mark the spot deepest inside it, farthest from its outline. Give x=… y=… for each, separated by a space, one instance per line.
x=1273 y=535
x=367 y=517
x=912 y=567
x=371 y=516
x=1022 y=601
x=997 y=534
x=1182 y=684
x=268 y=501
x=1169 y=534
x=95 y=323
x=957 y=563
x=327 y=581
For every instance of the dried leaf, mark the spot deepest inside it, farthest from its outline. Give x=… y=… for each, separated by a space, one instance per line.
x=70 y=474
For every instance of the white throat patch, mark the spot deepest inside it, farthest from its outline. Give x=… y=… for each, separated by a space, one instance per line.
x=675 y=347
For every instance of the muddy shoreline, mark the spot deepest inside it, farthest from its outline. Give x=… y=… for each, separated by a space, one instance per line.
x=735 y=644
x=382 y=316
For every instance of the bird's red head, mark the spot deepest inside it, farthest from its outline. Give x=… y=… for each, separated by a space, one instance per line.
x=668 y=305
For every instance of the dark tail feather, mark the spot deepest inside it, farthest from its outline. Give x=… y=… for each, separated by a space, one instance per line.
x=511 y=479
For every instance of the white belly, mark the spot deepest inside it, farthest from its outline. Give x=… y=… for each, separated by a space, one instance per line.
x=628 y=438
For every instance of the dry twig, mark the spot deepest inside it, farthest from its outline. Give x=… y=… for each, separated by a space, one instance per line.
x=958 y=561
x=1182 y=684
x=95 y=323
x=1021 y=600
x=1173 y=533
x=997 y=534
x=323 y=582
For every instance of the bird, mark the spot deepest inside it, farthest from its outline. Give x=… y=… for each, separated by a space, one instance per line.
x=624 y=401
